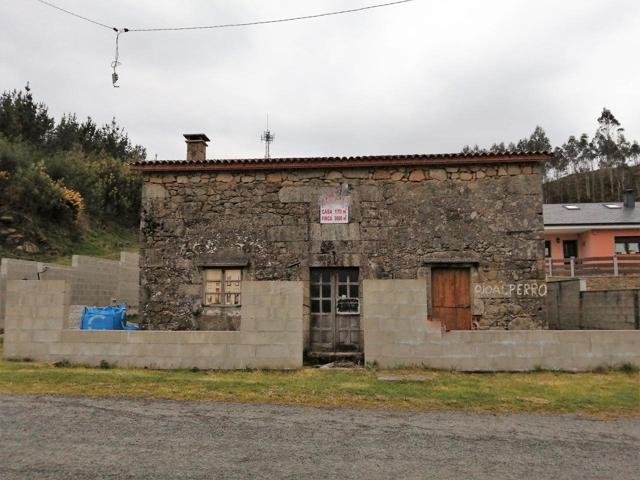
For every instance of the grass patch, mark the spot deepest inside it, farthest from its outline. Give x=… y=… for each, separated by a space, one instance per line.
x=97 y=241
x=610 y=394
x=58 y=244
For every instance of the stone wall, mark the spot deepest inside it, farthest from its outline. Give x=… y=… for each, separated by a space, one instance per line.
x=270 y=336
x=402 y=221
x=399 y=336
x=569 y=308
x=93 y=281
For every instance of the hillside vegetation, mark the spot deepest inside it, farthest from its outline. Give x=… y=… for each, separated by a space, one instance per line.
x=583 y=169
x=65 y=187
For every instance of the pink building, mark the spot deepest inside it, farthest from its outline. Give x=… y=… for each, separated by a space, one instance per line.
x=583 y=230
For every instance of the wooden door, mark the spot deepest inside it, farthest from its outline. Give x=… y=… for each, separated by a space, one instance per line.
x=335 y=310
x=451 y=297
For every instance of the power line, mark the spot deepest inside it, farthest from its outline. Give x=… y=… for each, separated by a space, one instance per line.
x=229 y=25
x=115 y=63
x=76 y=15
x=265 y=22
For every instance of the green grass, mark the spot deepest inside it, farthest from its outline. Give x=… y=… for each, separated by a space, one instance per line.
x=106 y=241
x=609 y=394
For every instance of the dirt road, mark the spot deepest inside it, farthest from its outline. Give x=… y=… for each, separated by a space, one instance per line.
x=81 y=438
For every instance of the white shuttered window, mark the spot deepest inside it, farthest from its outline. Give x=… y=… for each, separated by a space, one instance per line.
x=222 y=286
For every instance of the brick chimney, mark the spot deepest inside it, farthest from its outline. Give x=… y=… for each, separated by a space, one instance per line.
x=196 y=146
x=629 y=198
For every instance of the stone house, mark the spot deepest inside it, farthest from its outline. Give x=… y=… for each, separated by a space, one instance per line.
x=470 y=224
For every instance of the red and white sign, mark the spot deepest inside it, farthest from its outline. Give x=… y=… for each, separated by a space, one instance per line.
x=334 y=213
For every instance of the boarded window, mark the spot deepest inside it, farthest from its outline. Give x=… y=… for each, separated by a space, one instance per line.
x=222 y=286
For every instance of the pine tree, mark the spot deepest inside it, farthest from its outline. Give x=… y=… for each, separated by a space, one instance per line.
x=21 y=118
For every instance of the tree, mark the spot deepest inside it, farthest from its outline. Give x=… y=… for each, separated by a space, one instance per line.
x=538 y=141
x=22 y=118
x=609 y=143
x=110 y=139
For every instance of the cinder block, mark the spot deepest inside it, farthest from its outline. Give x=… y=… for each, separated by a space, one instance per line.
x=556 y=350
x=61 y=348
x=487 y=350
x=532 y=351
x=241 y=351
x=225 y=338
x=46 y=336
x=94 y=336
x=401 y=351
x=270 y=324
x=200 y=350
x=271 y=338
x=145 y=336
x=271 y=351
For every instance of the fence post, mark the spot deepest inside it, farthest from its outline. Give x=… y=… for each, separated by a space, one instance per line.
x=615 y=265
x=573 y=267
x=636 y=308
x=550 y=266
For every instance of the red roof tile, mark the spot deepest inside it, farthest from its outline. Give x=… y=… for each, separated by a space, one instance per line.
x=340 y=162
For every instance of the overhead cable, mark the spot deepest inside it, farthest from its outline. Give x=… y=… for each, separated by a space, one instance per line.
x=228 y=25
x=119 y=31
x=265 y=22
x=75 y=14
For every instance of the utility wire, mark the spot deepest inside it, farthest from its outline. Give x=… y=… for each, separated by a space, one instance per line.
x=228 y=25
x=264 y=22
x=115 y=63
x=76 y=15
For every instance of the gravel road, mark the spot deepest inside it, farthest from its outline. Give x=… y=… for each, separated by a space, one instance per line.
x=43 y=437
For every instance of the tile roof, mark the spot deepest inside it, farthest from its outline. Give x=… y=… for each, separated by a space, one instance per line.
x=590 y=214
x=340 y=162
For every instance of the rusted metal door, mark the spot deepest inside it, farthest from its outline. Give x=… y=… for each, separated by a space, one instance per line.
x=335 y=310
x=451 y=298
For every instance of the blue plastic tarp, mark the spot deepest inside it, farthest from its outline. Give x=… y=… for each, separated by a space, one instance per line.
x=106 y=318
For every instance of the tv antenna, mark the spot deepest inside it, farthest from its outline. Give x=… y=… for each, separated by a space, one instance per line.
x=267 y=138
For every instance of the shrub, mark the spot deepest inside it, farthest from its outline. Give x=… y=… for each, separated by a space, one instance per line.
x=629 y=367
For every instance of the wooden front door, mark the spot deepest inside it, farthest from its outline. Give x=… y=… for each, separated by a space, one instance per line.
x=335 y=310
x=451 y=298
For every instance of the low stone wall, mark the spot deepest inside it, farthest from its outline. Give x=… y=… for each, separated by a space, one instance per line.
x=270 y=335
x=570 y=308
x=92 y=281
x=400 y=335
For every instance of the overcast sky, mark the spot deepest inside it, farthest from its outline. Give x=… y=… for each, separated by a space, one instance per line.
x=423 y=77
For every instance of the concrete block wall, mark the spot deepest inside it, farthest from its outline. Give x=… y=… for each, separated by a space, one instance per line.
x=563 y=304
x=396 y=328
x=92 y=281
x=396 y=336
x=270 y=334
x=611 y=310
x=35 y=314
x=571 y=308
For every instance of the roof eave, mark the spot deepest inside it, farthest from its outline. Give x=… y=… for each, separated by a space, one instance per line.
x=336 y=163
